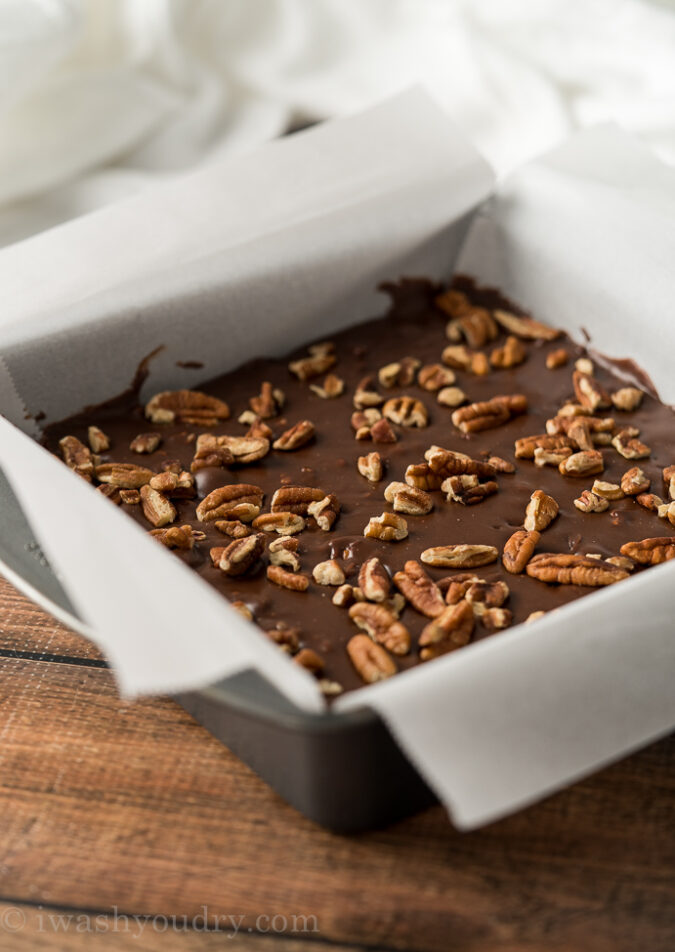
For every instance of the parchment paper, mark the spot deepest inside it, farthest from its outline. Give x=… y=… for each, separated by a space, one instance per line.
x=268 y=250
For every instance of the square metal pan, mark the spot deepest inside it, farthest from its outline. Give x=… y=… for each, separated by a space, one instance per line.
x=344 y=771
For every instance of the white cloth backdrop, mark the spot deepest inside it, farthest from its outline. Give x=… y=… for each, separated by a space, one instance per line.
x=99 y=98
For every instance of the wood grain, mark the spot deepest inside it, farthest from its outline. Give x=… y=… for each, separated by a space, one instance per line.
x=105 y=803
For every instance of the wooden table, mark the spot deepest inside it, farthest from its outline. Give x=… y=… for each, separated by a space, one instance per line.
x=111 y=809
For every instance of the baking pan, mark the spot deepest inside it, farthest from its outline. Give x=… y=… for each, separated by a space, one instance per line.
x=344 y=771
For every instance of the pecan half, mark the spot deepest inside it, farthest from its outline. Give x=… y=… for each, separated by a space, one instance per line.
x=630 y=448
x=371 y=467
x=457 y=356
x=518 y=550
x=186 y=406
x=557 y=358
x=374 y=580
x=450 y=630
x=178 y=537
x=649 y=501
x=333 y=386
x=408 y=499
x=295 y=499
x=510 y=354
x=388 y=527
x=585 y=463
x=284 y=523
x=234 y=528
x=294 y=581
x=370 y=660
x=221 y=501
x=98 y=440
x=433 y=377
x=123 y=475
x=489 y=413
x=590 y=502
x=525 y=327
x=526 y=446
x=401 y=373
x=421 y=476
x=544 y=457
x=627 y=398
x=589 y=392
x=325 y=511
x=298 y=435
x=451 y=397
x=501 y=465
x=77 y=457
x=445 y=463
x=156 y=508
x=420 y=590
x=228 y=450
x=284 y=551
x=406 y=411
x=328 y=573
x=459 y=556
x=239 y=556
x=567 y=569
x=382 y=626
x=269 y=401
x=145 y=443
x=540 y=512
x=321 y=358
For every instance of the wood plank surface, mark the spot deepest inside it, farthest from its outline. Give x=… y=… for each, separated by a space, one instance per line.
x=106 y=804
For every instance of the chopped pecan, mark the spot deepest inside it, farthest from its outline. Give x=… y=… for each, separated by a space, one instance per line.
x=518 y=550
x=333 y=386
x=451 y=397
x=388 y=527
x=325 y=511
x=534 y=616
x=243 y=610
x=408 y=499
x=366 y=396
x=422 y=476
x=156 y=508
x=433 y=377
x=216 y=553
x=482 y=595
x=186 y=406
x=344 y=596
x=77 y=457
x=447 y=463
x=294 y=581
x=98 y=440
x=467 y=490
x=406 y=411
x=269 y=401
x=123 y=475
x=328 y=573
x=234 y=528
x=568 y=569
x=381 y=432
x=259 y=430
x=130 y=497
x=145 y=443
x=456 y=586
x=374 y=580
x=607 y=490
x=401 y=373
x=242 y=554
x=667 y=511
x=627 y=398
x=288 y=639
x=178 y=537
x=449 y=630
x=321 y=358
x=544 y=457
x=453 y=302
x=371 y=467
x=295 y=499
x=598 y=429
x=525 y=327
x=621 y=562
x=628 y=446
x=370 y=659
x=330 y=688
x=557 y=358
x=222 y=501
x=177 y=485
x=649 y=501
x=459 y=556
x=228 y=450
x=584 y=463
x=501 y=465
x=495 y=619
x=477 y=326
x=382 y=626
x=489 y=413
x=308 y=659
x=590 y=502
x=580 y=432
x=420 y=590
x=510 y=354
x=526 y=446
x=589 y=392
x=298 y=435
x=540 y=512
x=285 y=523
x=284 y=551
x=650 y=551
x=479 y=365
x=584 y=365
x=457 y=356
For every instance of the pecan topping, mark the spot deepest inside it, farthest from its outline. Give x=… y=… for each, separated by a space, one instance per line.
x=630 y=448
x=321 y=358
x=123 y=475
x=453 y=302
x=328 y=573
x=234 y=528
x=584 y=365
x=422 y=476
x=374 y=580
x=456 y=586
x=557 y=358
x=239 y=556
x=371 y=467
x=459 y=556
x=566 y=569
x=366 y=396
x=295 y=499
x=288 y=639
x=77 y=457
x=178 y=537
x=186 y=406
x=451 y=397
x=98 y=440
x=518 y=550
x=269 y=401
x=259 y=430
x=540 y=512
x=420 y=590
x=222 y=501
x=494 y=619
x=228 y=450
x=381 y=432
x=399 y=374
x=627 y=398
x=621 y=562
x=243 y=610
x=580 y=432
x=156 y=508
x=382 y=626
x=285 y=523
x=544 y=457
x=482 y=595
x=489 y=413
x=467 y=490
x=130 y=497
x=649 y=501
x=525 y=327
x=457 y=356
x=588 y=391
x=478 y=326
x=283 y=551
x=295 y=437
x=344 y=596
x=433 y=377
x=370 y=659
x=526 y=446
x=408 y=499
x=309 y=660
x=145 y=443
x=388 y=527
x=406 y=411
x=333 y=386
x=501 y=465
x=667 y=511
x=607 y=490
x=510 y=355
x=585 y=463
x=325 y=511
x=294 y=581
x=448 y=463
x=590 y=502
x=451 y=629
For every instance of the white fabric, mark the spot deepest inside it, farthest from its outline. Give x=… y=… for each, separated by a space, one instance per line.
x=99 y=98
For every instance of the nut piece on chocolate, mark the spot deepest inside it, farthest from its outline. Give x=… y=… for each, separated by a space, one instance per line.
x=489 y=413
x=510 y=355
x=557 y=358
x=77 y=457
x=388 y=527
x=223 y=500
x=408 y=499
x=186 y=406
x=242 y=554
x=382 y=626
x=178 y=537
x=123 y=475
x=567 y=569
x=525 y=327
x=450 y=630
x=370 y=660
x=541 y=511
x=98 y=440
x=627 y=398
x=650 y=551
x=419 y=589
x=328 y=573
x=589 y=392
x=269 y=401
x=293 y=581
x=145 y=443
x=406 y=411
x=371 y=467
x=585 y=463
x=321 y=358
x=295 y=437
x=156 y=508
x=333 y=386
x=459 y=556
x=374 y=580
x=518 y=550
